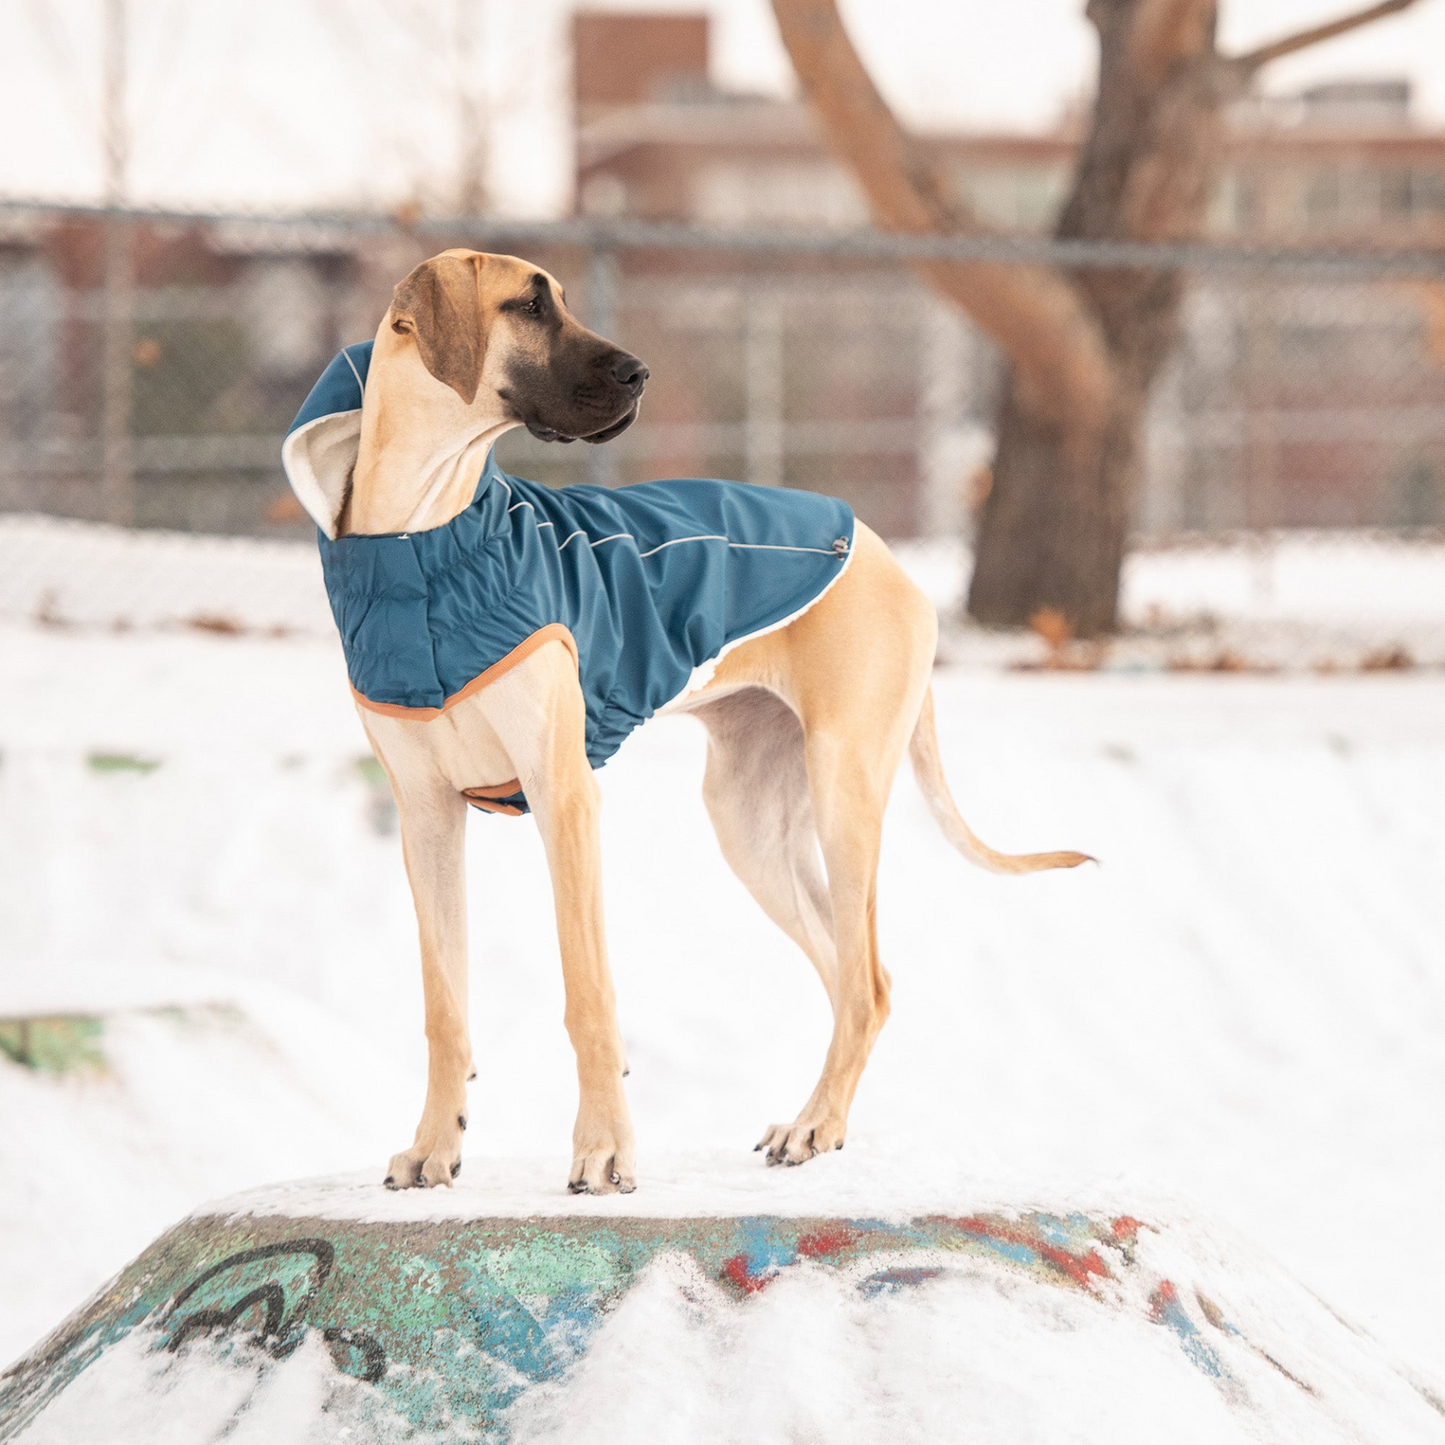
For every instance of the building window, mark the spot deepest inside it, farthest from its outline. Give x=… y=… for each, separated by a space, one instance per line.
x=604 y=195
x=1322 y=199
x=1428 y=192
x=1397 y=195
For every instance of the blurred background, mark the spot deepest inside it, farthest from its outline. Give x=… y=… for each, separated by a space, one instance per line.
x=290 y=164
x=1221 y=670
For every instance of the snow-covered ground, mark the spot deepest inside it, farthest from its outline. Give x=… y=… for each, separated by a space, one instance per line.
x=1287 y=601
x=958 y=1330
x=1243 y=1009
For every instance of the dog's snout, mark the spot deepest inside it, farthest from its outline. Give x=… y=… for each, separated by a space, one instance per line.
x=628 y=372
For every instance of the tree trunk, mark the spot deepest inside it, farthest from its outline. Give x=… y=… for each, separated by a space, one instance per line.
x=1084 y=347
x=1054 y=525
x=1053 y=529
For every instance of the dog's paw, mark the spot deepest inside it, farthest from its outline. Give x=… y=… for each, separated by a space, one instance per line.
x=798 y=1142
x=604 y=1152
x=416 y=1169
x=603 y=1171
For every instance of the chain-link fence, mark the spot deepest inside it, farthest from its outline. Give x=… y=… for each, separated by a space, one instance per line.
x=1307 y=392
x=1301 y=402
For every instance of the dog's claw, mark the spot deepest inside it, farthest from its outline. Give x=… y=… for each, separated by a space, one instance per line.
x=601 y=1173
x=793 y=1144
x=424 y=1167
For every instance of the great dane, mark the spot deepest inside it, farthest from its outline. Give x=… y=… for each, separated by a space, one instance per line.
x=807 y=721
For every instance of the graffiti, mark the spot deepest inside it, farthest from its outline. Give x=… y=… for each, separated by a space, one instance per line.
x=887 y=1280
x=457 y=1320
x=280 y=1330
x=1165 y=1308
x=341 y=1342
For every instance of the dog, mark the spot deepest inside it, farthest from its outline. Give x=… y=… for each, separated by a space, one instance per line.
x=807 y=660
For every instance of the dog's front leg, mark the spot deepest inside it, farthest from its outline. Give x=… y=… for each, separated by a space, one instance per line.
x=433 y=834
x=545 y=732
x=603 y=1150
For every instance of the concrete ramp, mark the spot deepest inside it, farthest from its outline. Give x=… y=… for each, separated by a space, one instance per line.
x=334 y=1311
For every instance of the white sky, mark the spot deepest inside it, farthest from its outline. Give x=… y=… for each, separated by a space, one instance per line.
x=316 y=102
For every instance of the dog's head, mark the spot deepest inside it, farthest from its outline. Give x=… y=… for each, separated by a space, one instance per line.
x=496 y=327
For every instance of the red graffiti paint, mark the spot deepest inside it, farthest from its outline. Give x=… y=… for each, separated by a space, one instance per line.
x=1160 y=1301
x=1077 y=1267
x=1126 y=1229
x=736 y=1269
x=831 y=1239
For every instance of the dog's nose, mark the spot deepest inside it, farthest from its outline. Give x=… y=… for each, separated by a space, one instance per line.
x=627 y=371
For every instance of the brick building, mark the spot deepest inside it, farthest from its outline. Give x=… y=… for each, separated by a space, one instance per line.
x=1289 y=401
x=1293 y=402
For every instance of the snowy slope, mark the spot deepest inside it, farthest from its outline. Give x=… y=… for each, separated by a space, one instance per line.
x=1243 y=1008
x=1000 y=1326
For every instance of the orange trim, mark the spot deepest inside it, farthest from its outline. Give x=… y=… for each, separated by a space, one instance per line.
x=552 y=632
x=494 y=790
x=483 y=798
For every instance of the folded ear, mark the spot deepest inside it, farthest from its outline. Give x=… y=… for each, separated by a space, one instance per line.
x=440 y=303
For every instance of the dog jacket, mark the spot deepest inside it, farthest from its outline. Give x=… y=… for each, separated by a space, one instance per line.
x=647 y=585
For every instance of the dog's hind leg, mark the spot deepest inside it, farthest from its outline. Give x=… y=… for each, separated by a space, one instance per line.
x=756 y=791
x=854 y=668
x=849 y=799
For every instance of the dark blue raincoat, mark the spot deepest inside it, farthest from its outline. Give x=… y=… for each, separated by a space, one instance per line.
x=646 y=584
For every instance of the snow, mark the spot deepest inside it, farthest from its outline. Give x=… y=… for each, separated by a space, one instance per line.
x=1298 y=576
x=213 y=1393
x=977 y=1356
x=1241 y=1013
x=980 y=1352
x=90 y=575
x=1288 y=600
x=1272 y=601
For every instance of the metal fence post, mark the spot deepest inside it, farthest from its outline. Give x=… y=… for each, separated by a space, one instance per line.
x=603 y=285
x=763 y=387
x=940 y=410
x=117 y=480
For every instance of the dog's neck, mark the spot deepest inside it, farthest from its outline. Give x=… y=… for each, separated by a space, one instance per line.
x=422 y=447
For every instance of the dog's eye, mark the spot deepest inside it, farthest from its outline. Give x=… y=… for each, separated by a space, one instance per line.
x=532 y=308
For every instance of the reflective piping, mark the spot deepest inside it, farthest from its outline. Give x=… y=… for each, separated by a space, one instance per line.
x=354 y=371
x=703 y=673
x=671 y=542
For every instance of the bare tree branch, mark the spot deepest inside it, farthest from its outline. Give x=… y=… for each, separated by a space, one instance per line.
x=899 y=175
x=1254 y=59
x=1033 y=312
x=1165 y=31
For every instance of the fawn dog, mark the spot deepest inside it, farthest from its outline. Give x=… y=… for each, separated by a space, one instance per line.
x=808 y=713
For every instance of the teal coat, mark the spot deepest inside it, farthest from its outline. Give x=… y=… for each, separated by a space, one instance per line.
x=646 y=584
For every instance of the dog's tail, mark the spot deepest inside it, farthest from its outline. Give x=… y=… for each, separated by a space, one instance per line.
x=928 y=769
